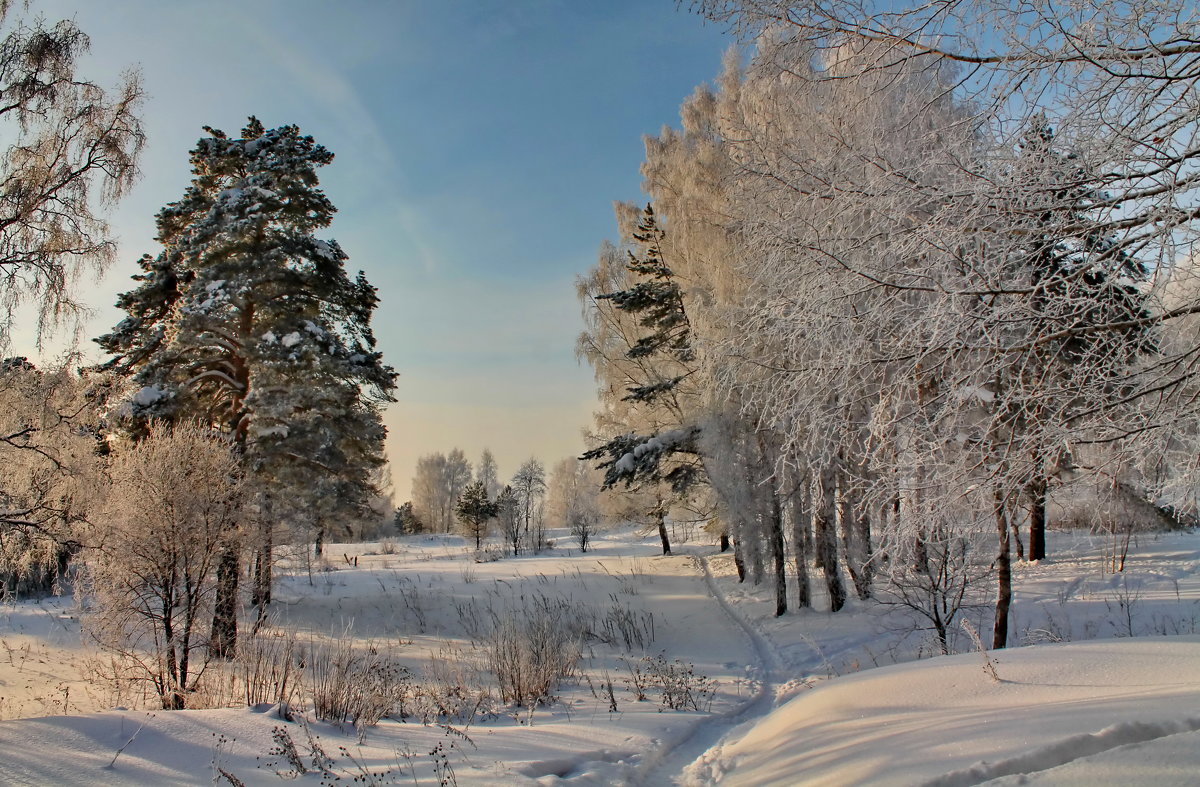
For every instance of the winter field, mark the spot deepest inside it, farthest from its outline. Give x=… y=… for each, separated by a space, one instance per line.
x=1106 y=692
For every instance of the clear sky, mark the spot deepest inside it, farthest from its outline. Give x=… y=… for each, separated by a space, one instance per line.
x=479 y=147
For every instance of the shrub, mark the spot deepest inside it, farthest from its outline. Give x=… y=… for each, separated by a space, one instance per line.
x=360 y=686
x=531 y=649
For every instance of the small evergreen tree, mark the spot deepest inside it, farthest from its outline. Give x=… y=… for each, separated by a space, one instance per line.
x=474 y=510
x=406 y=520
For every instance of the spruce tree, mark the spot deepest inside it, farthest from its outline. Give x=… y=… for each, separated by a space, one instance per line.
x=656 y=300
x=248 y=321
x=1083 y=283
x=662 y=350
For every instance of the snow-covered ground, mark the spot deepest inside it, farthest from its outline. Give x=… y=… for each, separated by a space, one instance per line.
x=808 y=698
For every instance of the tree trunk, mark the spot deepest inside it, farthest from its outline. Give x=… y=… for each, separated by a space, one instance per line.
x=724 y=541
x=1003 y=574
x=1037 y=513
x=756 y=560
x=856 y=537
x=660 y=516
x=223 y=642
x=172 y=696
x=825 y=538
x=738 y=562
x=264 y=557
x=866 y=566
x=801 y=545
x=777 y=553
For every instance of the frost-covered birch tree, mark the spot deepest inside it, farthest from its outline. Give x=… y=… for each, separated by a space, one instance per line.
x=528 y=485
x=488 y=474
x=71 y=150
x=1014 y=289
x=50 y=474
x=173 y=509
x=439 y=482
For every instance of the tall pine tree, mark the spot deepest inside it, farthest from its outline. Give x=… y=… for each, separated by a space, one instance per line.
x=250 y=322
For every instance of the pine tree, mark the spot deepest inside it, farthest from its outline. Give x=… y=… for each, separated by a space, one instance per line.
x=246 y=319
x=406 y=520
x=474 y=510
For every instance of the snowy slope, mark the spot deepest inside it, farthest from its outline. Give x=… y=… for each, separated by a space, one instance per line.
x=1076 y=708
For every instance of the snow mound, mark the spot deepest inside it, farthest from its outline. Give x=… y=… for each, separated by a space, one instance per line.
x=943 y=722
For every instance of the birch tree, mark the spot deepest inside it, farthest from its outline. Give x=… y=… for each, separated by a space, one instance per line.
x=71 y=152
x=173 y=509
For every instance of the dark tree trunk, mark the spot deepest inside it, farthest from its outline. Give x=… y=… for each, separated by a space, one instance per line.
x=223 y=642
x=1003 y=574
x=319 y=542
x=856 y=538
x=1037 y=514
x=738 y=562
x=724 y=541
x=777 y=553
x=866 y=568
x=801 y=544
x=660 y=516
x=264 y=556
x=825 y=538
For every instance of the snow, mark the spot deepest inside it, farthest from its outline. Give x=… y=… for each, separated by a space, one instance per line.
x=800 y=699
x=944 y=722
x=326 y=249
x=652 y=446
x=148 y=396
x=291 y=340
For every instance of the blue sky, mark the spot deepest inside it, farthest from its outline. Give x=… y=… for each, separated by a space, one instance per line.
x=479 y=147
